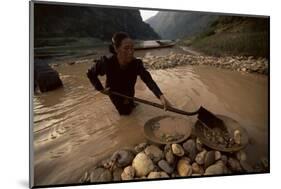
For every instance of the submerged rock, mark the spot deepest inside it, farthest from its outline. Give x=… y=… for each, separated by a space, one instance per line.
x=142 y=164
x=45 y=78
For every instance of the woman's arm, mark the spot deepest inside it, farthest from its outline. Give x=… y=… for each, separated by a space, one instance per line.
x=147 y=79
x=97 y=69
x=165 y=102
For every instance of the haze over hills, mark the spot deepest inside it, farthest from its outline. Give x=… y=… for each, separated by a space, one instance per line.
x=174 y=25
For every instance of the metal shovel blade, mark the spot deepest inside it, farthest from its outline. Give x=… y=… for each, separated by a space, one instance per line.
x=209 y=119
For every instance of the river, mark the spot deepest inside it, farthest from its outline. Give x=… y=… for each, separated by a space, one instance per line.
x=75 y=126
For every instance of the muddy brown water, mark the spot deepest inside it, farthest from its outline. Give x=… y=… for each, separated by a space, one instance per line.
x=75 y=126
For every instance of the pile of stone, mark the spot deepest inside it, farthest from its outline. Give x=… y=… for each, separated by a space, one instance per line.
x=236 y=63
x=188 y=159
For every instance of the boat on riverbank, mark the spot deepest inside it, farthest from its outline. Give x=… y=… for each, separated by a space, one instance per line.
x=154 y=44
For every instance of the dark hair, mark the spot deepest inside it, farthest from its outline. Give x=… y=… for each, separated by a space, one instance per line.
x=117 y=39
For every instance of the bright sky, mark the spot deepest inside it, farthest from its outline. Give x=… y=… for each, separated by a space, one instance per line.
x=145 y=14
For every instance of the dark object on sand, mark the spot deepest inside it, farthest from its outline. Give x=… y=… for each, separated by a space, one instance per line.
x=45 y=78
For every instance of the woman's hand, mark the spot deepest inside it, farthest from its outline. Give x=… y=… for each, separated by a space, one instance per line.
x=165 y=102
x=105 y=91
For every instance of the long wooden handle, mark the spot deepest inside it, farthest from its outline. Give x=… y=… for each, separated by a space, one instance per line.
x=155 y=104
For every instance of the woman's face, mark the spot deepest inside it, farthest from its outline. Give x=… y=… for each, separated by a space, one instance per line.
x=126 y=50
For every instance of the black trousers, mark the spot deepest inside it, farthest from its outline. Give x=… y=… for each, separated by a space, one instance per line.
x=123 y=106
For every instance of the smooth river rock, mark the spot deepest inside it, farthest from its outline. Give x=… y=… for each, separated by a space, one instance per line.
x=154 y=153
x=197 y=169
x=184 y=168
x=237 y=136
x=216 y=169
x=190 y=149
x=164 y=165
x=210 y=158
x=200 y=158
x=169 y=156
x=155 y=175
x=128 y=173
x=217 y=155
x=177 y=150
x=123 y=157
x=142 y=164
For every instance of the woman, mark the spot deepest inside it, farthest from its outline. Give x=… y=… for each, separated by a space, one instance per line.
x=121 y=71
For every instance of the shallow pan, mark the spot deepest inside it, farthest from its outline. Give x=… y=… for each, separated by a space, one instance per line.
x=231 y=126
x=178 y=131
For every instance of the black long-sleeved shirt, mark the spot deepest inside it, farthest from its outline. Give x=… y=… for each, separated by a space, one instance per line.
x=119 y=79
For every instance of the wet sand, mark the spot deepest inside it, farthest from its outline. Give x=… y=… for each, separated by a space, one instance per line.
x=75 y=126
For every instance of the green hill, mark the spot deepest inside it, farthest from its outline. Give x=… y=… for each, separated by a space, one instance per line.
x=234 y=35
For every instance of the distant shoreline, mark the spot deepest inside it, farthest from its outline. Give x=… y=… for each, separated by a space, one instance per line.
x=234 y=63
